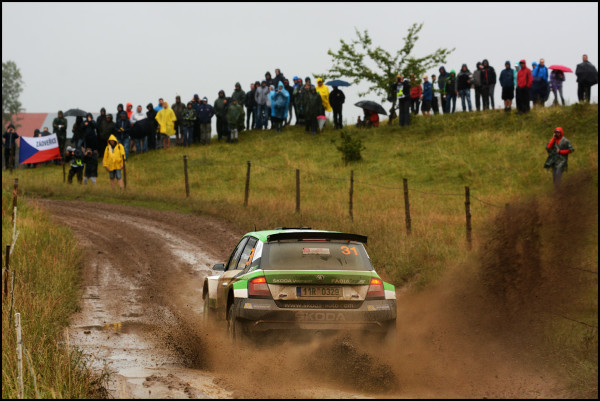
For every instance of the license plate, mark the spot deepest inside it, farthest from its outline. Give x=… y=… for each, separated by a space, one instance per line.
x=318 y=291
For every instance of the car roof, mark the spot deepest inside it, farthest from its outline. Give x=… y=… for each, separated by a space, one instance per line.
x=283 y=233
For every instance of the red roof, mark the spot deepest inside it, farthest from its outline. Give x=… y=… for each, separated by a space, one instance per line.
x=27 y=123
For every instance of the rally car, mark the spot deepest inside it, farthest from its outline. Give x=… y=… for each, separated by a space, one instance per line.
x=300 y=279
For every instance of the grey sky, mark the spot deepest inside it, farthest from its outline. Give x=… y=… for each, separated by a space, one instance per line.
x=90 y=55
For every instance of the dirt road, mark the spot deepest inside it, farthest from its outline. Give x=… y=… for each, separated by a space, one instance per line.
x=141 y=314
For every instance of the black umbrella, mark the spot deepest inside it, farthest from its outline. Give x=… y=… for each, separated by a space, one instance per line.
x=371 y=106
x=337 y=82
x=75 y=113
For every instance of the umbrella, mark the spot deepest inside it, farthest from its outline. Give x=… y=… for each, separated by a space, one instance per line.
x=371 y=106
x=75 y=113
x=560 y=68
x=337 y=82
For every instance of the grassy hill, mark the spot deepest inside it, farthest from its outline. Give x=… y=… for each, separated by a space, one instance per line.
x=498 y=156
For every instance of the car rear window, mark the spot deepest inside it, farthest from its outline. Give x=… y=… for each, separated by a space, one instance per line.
x=315 y=255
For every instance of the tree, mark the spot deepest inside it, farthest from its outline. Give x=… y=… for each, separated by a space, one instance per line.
x=352 y=59
x=12 y=86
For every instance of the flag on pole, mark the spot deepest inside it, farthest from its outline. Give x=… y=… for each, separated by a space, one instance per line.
x=38 y=149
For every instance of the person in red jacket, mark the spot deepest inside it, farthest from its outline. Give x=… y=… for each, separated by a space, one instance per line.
x=416 y=91
x=558 y=150
x=524 y=81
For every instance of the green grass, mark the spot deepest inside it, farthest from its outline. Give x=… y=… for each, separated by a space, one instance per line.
x=46 y=263
x=498 y=156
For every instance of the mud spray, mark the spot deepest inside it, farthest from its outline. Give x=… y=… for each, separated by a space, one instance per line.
x=480 y=332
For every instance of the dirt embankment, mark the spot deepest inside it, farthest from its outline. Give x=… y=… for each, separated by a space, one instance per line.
x=142 y=315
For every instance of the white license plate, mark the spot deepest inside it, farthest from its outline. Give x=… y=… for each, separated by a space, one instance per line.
x=318 y=291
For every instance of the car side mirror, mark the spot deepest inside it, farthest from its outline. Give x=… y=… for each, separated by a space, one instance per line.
x=219 y=267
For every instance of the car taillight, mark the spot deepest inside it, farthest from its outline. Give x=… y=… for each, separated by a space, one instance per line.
x=376 y=289
x=258 y=288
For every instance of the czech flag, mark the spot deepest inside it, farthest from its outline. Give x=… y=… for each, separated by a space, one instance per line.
x=38 y=149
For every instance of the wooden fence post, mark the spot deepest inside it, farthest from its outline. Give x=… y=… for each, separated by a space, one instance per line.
x=468 y=215
x=407 y=207
x=351 y=193
x=19 y=354
x=6 y=272
x=124 y=174
x=247 y=190
x=297 y=191
x=187 y=185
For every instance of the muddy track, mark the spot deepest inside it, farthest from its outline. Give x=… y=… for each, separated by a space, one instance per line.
x=141 y=315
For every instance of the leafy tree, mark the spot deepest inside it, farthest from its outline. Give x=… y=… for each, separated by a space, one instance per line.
x=12 y=86
x=353 y=60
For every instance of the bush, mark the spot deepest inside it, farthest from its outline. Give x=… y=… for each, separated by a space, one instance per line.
x=350 y=147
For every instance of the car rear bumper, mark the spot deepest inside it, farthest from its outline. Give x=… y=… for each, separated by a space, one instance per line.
x=264 y=314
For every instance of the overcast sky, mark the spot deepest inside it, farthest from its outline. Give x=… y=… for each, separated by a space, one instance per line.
x=90 y=55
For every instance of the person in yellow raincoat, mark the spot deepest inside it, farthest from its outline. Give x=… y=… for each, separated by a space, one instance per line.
x=324 y=92
x=166 y=123
x=114 y=158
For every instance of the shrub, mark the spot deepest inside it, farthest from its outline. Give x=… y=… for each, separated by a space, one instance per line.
x=350 y=147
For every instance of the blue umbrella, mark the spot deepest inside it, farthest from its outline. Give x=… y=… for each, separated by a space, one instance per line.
x=337 y=82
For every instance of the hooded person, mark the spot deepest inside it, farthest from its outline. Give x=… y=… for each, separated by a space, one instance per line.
x=178 y=107
x=129 y=110
x=507 y=82
x=558 y=150
x=313 y=107
x=151 y=116
x=280 y=101
x=268 y=79
x=524 y=82
x=59 y=126
x=488 y=83
x=188 y=119
x=463 y=86
x=166 y=123
x=323 y=90
x=205 y=114
x=220 y=108
x=89 y=132
x=114 y=161
x=477 y=84
x=233 y=114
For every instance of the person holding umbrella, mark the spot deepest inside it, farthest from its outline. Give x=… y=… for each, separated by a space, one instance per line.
x=557 y=77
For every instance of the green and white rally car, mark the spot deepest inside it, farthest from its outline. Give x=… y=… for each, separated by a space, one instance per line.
x=300 y=279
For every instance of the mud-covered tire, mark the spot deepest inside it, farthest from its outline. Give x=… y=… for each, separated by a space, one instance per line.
x=235 y=328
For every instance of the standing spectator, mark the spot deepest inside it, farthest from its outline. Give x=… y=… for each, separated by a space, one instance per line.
x=451 y=92
x=271 y=92
x=313 y=107
x=102 y=130
x=151 y=116
x=178 y=109
x=160 y=105
x=415 y=94
x=137 y=115
x=166 y=124
x=587 y=76
x=233 y=115
x=221 y=112
x=59 y=126
x=427 y=96
x=261 y=96
x=323 y=90
x=442 y=87
x=110 y=129
x=477 y=85
x=141 y=139
x=129 y=110
x=101 y=122
x=196 y=102
x=279 y=77
x=337 y=99
x=403 y=96
x=488 y=83
x=524 y=81
x=250 y=103
x=114 y=159
x=89 y=132
x=463 y=85
x=120 y=110
x=77 y=131
x=434 y=101
x=9 y=143
x=123 y=130
x=280 y=100
x=205 y=113
x=539 y=89
x=90 y=160
x=188 y=118
x=297 y=96
x=239 y=95
x=558 y=148
x=290 y=91
x=268 y=79
x=557 y=77
x=392 y=92
x=507 y=82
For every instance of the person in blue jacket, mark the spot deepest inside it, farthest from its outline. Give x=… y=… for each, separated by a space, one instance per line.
x=507 y=82
x=427 y=96
x=280 y=102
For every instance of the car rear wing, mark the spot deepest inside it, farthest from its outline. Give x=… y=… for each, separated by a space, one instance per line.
x=319 y=236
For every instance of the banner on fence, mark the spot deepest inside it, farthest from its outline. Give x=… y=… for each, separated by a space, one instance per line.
x=39 y=149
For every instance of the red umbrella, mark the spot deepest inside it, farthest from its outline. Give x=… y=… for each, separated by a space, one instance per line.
x=560 y=68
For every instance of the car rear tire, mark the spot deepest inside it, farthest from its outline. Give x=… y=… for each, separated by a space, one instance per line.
x=235 y=328
x=207 y=313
